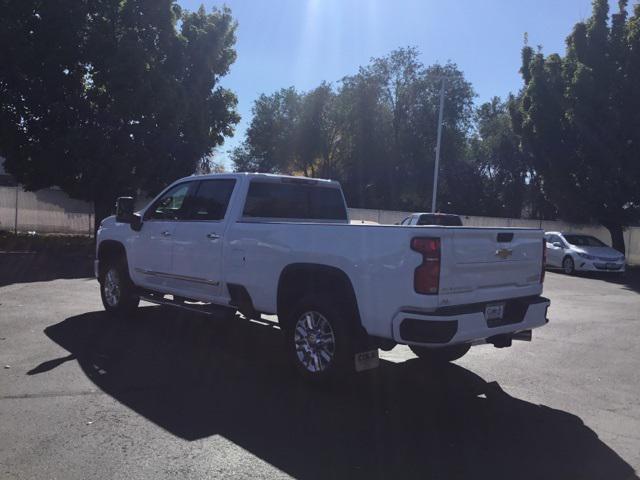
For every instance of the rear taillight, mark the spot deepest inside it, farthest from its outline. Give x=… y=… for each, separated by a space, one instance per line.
x=426 y=278
x=544 y=259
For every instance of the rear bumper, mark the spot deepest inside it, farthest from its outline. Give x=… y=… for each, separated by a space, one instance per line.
x=467 y=324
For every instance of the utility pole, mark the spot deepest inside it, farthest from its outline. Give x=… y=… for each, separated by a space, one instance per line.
x=435 y=168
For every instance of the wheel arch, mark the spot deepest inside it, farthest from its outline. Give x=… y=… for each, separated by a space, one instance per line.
x=300 y=278
x=108 y=251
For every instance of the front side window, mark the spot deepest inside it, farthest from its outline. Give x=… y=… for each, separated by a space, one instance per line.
x=210 y=201
x=170 y=205
x=584 y=241
x=555 y=239
x=294 y=201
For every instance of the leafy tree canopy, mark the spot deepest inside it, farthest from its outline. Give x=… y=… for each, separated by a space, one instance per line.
x=375 y=132
x=579 y=116
x=105 y=97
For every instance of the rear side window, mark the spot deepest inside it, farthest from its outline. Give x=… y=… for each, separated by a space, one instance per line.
x=210 y=200
x=294 y=201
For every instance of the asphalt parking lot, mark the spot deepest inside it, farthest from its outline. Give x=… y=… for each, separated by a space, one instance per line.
x=177 y=395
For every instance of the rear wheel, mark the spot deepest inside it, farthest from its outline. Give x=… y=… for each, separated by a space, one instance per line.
x=568 y=266
x=441 y=354
x=318 y=338
x=117 y=290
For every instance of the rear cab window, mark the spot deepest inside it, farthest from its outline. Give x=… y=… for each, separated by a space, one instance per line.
x=306 y=200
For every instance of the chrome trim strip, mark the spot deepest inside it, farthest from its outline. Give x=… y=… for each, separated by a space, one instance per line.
x=178 y=277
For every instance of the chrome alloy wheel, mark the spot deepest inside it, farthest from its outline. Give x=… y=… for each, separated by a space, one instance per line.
x=111 y=288
x=315 y=342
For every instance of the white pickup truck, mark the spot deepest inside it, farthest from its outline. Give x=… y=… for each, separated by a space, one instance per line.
x=267 y=244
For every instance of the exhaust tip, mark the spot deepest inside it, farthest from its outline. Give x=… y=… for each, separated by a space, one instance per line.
x=500 y=341
x=524 y=335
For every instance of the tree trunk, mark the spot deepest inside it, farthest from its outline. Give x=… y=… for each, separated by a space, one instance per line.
x=617 y=236
x=102 y=209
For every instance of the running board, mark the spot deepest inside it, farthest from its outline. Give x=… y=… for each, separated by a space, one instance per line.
x=205 y=308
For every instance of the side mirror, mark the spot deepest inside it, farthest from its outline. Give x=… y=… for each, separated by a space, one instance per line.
x=124 y=209
x=557 y=244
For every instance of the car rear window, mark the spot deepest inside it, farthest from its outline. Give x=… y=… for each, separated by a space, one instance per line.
x=444 y=220
x=294 y=201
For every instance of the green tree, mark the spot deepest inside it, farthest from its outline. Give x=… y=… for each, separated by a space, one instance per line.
x=375 y=133
x=496 y=150
x=269 y=146
x=579 y=117
x=108 y=97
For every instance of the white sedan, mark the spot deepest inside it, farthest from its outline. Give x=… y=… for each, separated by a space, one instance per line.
x=577 y=252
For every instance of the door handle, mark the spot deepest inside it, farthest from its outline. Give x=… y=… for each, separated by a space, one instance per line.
x=213 y=236
x=166 y=233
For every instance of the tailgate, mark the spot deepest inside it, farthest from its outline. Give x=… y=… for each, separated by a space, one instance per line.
x=494 y=263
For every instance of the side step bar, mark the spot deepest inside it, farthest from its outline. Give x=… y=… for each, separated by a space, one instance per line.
x=205 y=308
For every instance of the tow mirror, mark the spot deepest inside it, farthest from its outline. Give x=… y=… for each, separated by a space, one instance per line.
x=124 y=213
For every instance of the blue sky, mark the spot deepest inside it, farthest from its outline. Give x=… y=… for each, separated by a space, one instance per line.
x=302 y=42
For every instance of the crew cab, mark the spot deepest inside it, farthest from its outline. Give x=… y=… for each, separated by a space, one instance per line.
x=269 y=244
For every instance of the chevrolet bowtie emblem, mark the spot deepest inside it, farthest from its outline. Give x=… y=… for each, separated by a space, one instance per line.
x=504 y=253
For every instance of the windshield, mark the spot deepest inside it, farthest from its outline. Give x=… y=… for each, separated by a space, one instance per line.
x=584 y=241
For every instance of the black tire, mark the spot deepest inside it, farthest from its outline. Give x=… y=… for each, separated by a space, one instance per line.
x=568 y=265
x=117 y=290
x=301 y=338
x=440 y=355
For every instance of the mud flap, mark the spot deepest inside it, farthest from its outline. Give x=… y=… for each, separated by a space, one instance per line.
x=367 y=360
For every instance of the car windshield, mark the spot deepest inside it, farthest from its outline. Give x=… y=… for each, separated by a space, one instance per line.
x=584 y=241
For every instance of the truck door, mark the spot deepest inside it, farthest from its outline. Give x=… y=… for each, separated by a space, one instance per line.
x=151 y=247
x=198 y=240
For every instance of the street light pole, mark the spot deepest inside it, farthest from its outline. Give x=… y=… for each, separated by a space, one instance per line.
x=435 y=168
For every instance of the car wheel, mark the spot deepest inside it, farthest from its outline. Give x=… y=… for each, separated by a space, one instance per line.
x=568 y=266
x=318 y=339
x=117 y=290
x=441 y=354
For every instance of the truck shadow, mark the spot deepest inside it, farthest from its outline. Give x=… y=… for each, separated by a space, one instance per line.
x=196 y=377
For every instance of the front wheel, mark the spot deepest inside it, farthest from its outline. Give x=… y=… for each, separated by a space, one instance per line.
x=117 y=290
x=568 y=266
x=441 y=354
x=318 y=338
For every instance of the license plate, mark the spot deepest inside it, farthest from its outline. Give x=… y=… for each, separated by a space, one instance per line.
x=612 y=266
x=494 y=311
x=367 y=360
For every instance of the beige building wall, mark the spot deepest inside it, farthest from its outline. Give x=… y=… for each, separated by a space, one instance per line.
x=52 y=211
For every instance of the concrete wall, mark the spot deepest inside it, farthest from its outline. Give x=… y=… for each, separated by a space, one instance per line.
x=52 y=211
x=631 y=235
x=45 y=211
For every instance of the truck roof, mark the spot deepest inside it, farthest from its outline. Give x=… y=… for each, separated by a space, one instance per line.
x=267 y=176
